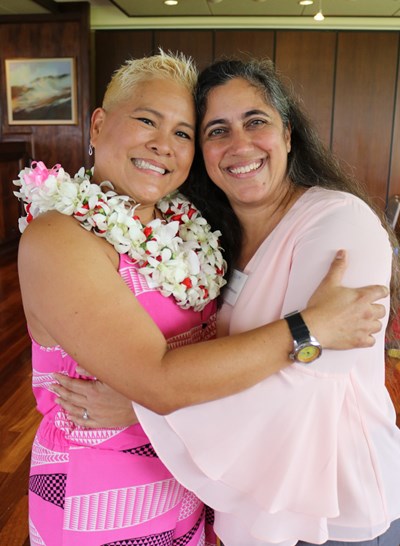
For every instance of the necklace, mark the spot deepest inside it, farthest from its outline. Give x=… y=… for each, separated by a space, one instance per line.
x=178 y=253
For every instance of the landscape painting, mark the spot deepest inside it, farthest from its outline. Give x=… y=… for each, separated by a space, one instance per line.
x=41 y=91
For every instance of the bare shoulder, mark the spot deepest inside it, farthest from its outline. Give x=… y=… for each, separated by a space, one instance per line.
x=54 y=238
x=54 y=229
x=58 y=261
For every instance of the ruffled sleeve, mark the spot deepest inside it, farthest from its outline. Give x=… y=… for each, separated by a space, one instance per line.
x=299 y=456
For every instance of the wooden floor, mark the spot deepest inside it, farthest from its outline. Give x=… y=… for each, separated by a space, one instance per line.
x=18 y=417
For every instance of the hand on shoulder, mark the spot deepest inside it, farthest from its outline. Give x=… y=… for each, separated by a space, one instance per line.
x=342 y=317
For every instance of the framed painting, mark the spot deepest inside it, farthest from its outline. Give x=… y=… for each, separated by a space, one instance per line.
x=41 y=91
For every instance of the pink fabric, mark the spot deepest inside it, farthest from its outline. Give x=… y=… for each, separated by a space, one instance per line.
x=311 y=453
x=107 y=486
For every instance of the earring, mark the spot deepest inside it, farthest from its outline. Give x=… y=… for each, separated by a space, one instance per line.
x=90 y=149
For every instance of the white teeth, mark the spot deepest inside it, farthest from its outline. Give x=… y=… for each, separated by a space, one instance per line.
x=141 y=164
x=246 y=168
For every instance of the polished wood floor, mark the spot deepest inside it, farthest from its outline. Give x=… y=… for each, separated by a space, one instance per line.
x=18 y=416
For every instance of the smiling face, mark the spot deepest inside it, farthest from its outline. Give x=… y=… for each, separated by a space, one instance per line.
x=145 y=144
x=245 y=145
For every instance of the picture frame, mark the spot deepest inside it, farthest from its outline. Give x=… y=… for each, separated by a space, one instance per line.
x=41 y=91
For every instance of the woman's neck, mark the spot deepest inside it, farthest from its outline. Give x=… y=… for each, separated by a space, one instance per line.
x=147 y=213
x=258 y=223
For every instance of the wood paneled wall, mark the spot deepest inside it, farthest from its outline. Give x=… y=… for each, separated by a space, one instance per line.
x=366 y=75
x=65 y=34
x=314 y=57
x=348 y=82
x=14 y=156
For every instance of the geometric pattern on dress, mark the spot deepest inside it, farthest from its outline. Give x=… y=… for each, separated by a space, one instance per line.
x=210 y=329
x=42 y=380
x=146 y=450
x=190 y=504
x=54 y=349
x=161 y=539
x=119 y=508
x=43 y=455
x=194 y=335
x=49 y=487
x=36 y=539
x=84 y=436
x=202 y=540
x=135 y=280
x=210 y=516
x=187 y=537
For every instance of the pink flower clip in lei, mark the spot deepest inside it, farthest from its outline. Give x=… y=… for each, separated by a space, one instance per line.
x=179 y=254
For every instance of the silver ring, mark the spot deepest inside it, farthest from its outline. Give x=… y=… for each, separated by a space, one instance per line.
x=85 y=415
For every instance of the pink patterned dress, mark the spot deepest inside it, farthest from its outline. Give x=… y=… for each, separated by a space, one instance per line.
x=107 y=487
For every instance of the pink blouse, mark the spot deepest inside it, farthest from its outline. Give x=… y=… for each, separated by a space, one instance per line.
x=313 y=452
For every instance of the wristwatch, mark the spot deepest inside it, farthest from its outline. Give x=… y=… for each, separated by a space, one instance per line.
x=306 y=348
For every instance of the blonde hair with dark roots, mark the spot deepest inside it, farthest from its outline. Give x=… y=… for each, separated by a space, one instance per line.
x=171 y=66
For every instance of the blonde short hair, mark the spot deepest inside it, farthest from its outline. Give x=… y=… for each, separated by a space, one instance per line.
x=176 y=67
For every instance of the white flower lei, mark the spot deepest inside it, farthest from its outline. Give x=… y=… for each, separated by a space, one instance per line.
x=179 y=255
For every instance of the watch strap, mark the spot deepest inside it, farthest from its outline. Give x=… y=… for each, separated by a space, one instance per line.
x=298 y=328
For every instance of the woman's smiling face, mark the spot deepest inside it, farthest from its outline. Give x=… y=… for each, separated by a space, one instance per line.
x=244 y=144
x=145 y=144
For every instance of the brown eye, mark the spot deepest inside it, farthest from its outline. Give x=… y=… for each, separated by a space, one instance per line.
x=217 y=132
x=146 y=121
x=184 y=135
x=257 y=122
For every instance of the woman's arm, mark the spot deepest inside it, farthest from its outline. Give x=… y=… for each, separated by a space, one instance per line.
x=74 y=297
x=107 y=408
x=344 y=221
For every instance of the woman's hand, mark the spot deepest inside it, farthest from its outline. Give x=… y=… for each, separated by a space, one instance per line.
x=103 y=406
x=344 y=318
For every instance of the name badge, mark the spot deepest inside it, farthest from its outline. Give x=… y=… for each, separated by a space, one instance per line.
x=235 y=286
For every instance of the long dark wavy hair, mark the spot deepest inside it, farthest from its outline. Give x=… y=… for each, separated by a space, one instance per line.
x=310 y=163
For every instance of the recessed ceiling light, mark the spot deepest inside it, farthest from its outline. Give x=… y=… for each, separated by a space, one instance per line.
x=306 y=2
x=170 y=2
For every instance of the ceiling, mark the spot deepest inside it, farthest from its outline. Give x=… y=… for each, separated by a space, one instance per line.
x=363 y=14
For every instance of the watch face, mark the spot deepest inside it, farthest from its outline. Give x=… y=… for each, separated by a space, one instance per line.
x=308 y=353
